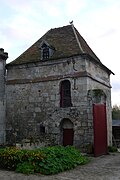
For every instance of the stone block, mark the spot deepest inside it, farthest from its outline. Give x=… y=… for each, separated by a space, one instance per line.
x=52 y=97
x=37 y=109
x=84 y=124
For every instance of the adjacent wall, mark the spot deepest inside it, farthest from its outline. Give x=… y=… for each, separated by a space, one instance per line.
x=3 y=57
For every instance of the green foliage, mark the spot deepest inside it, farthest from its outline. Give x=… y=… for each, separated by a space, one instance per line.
x=116 y=112
x=98 y=92
x=11 y=157
x=60 y=158
x=25 y=168
x=49 y=160
x=112 y=149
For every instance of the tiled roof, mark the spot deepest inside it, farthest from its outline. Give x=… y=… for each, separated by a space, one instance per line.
x=63 y=40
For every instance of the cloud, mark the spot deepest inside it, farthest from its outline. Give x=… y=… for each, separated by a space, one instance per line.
x=102 y=32
x=25 y=21
x=73 y=8
x=29 y=20
x=115 y=81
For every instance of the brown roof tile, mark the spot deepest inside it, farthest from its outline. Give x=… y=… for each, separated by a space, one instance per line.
x=63 y=40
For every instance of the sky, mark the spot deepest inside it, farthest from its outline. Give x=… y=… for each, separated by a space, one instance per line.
x=23 y=22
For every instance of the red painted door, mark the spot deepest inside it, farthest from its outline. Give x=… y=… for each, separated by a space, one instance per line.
x=100 y=129
x=68 y=137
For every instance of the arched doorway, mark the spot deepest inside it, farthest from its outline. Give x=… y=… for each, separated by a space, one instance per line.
x=67 y=132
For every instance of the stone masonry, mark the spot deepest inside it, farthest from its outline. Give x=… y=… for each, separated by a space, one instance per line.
x=3 y=57
x=35 y=101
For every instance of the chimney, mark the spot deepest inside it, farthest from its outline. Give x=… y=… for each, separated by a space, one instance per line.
x=3 y=55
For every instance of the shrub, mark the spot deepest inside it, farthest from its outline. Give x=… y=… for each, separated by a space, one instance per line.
x=25 y=168
x=49 y=160
x=58 y=159
x=112 y=149
x=11 y=157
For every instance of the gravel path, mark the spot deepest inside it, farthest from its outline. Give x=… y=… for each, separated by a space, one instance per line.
x=102 y=168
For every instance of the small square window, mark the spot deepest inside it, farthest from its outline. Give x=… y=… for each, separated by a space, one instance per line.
x=42 y=129
x=45 y=54
x=46 y=51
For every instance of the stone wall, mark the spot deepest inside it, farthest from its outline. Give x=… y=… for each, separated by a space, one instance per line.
x=3 y=57
x=33 y=100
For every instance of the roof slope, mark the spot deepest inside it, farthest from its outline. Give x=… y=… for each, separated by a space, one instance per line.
x=63 y=40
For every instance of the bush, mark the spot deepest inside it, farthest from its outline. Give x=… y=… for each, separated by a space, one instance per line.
x=25 y=168
x=58 y=159
x=11 y=157
x=112 y=149
x=49 y=160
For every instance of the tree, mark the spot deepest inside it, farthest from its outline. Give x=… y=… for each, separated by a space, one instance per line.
x=116 y=112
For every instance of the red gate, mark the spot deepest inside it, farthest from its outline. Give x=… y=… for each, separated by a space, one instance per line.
x=100 y=129
x=68 y=137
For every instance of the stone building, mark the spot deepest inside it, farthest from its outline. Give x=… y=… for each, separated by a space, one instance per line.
x=59 y=92
x=3 y=57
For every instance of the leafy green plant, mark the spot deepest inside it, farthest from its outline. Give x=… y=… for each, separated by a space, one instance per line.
x=112 y=149
x=50 y=160
x=25 y=168
x=10 y=157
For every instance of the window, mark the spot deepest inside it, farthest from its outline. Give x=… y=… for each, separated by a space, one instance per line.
x=45 y=51
x=42 y=129
x=65 y=94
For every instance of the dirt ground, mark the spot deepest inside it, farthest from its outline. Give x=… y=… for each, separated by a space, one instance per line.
x=106 y=167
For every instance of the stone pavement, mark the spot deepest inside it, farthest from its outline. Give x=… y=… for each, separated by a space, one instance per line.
x=106 y=167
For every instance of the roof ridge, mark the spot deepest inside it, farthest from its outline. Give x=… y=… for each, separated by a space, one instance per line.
x=60 y=27
x=76 y=37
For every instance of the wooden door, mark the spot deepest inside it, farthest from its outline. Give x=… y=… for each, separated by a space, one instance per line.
x=100 y=129
x=68 y=137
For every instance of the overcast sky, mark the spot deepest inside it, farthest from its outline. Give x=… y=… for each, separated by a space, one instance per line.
x=23 y=22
